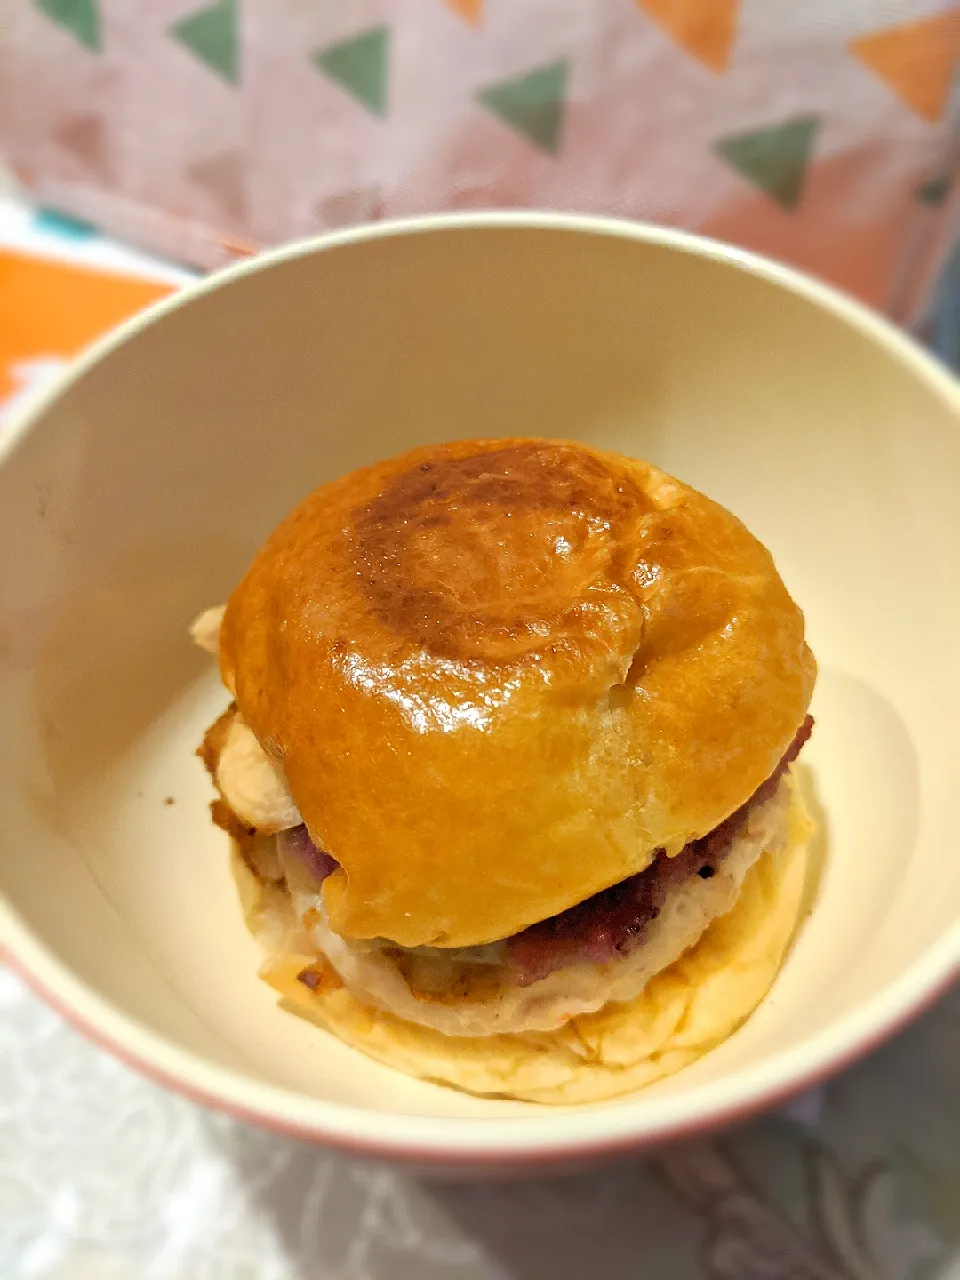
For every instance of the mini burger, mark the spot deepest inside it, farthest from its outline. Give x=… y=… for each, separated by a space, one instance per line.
x=507 y=768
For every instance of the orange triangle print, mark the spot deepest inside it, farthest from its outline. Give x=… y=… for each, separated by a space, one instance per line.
x=916 y=61
x=469 y=10
x=705 y=28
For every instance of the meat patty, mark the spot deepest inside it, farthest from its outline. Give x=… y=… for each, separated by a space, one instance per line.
x=500 y=988
x=613 y=920
x=609 y=923
x=479 y=991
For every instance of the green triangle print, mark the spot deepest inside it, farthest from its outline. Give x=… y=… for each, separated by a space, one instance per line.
x=935 y=191
x=211 y=34
x=532 y=104
x=359 y=65
x=774 y=159
x=80 y=17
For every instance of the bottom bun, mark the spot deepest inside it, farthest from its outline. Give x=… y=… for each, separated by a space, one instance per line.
x=683 y=1011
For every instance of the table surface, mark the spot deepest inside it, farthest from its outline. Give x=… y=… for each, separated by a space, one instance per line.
x=104 y=1176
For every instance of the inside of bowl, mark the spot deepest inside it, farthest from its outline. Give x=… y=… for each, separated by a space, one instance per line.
x=139 y=493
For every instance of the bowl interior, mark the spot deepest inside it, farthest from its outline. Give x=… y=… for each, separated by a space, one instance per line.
x=139 y=492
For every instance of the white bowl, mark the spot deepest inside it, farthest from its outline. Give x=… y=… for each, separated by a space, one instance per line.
x=133 y=494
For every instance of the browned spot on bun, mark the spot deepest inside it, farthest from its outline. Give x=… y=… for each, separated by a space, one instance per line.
x=501 y=674
x=475 y=556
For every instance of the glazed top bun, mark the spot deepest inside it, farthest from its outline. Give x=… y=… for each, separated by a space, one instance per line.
x=499 y=675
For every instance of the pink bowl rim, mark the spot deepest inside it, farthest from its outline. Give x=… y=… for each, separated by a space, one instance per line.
x=546 y=1136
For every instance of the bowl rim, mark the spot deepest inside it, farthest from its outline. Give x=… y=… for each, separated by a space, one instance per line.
x=621 y=1125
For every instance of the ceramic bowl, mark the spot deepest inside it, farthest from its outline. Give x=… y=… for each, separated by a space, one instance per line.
x=134 y=492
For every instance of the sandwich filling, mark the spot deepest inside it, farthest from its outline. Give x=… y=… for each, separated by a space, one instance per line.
x=604 y=949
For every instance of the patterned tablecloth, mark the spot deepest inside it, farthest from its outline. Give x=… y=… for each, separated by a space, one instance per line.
x=104 y=1176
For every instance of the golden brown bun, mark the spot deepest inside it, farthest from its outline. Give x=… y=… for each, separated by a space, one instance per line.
x=682 y=1013
x=500 y=674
